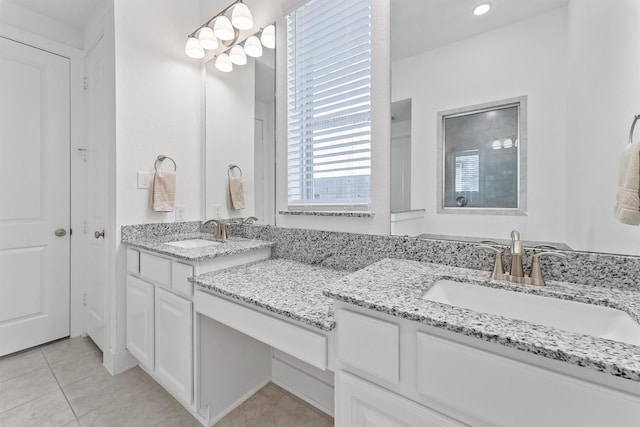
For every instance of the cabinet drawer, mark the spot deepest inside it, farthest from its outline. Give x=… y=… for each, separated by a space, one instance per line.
x=308 y=346
x=180 y=274
x=370 y=345
x=482 y=385
x=362 y=404
x=133 y=261
x=156 y=269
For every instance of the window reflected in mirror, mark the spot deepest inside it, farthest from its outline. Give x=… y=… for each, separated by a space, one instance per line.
x=482 y=158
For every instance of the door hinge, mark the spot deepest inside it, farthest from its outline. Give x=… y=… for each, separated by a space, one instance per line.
x=84 y=227
x=85 y=83
x=84 y=299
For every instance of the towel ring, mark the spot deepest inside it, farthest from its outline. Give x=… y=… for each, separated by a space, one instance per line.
x=162 y=158
x=231 y=168
x=633 y=125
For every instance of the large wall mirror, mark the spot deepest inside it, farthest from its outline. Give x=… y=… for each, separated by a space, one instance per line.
x=239 y=131
x=445 y=59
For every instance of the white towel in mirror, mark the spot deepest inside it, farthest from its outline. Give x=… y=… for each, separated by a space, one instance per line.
x=627 y=208
x=236 y=191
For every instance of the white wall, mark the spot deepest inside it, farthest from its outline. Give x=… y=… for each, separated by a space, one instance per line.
x=43 y=26
x=525 y=58
x=158 y=106
x=604 y=95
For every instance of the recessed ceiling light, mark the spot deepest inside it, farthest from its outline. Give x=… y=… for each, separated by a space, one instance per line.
x=481 y=9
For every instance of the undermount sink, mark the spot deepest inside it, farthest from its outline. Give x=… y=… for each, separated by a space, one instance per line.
x=193 y=243
x=595 y=320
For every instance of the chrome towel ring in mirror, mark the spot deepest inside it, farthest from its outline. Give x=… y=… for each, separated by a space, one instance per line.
x=162 y=158
x=231 y=168
x=633 y=125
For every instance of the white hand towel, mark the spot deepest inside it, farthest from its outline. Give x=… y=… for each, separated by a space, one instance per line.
x=627 y=208
x=236 y=191
x=164 y=191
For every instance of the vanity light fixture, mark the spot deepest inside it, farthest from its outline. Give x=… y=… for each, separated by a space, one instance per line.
x=268 y=37
x=207 y=38
x=237 y=55
x=481 y=9
x=223 y=63
x=241 y=17
x=223 y=29
x=220 y=30
x=253 y=47
x=193 y=48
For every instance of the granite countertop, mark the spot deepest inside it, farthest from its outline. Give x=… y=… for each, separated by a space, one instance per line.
x=288 y=288
x=233 y=245
x=397 y=287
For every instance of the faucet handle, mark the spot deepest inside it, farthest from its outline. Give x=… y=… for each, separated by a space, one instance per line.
x=498 y=267
x=536 y=269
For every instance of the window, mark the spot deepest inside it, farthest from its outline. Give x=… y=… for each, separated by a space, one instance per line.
x=482 y=158
x=329 y=103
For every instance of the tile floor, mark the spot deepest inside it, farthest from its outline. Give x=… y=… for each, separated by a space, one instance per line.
x=64 y=384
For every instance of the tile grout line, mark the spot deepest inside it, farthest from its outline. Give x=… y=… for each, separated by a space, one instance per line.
x=61 y=389
x=35 y=398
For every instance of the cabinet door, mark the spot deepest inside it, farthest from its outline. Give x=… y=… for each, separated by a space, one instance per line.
x=362 y=404
x=174 y=362
x=140 y=320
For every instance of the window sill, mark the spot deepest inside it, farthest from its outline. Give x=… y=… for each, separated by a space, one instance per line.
x=351 y=214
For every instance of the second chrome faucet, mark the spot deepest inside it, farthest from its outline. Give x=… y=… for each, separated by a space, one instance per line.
x=516 y=273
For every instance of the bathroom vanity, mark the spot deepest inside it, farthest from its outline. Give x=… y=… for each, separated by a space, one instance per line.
x=160 y=332
x=403 y=359
x=381 y=341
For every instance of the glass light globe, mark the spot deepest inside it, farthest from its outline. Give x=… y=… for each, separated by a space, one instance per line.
x=237 y=55
x=207 y=39
x=193 y=48
x=241 y=17
x=223 y=63
x=253 y=47
x=223 y=29
x=268 y=37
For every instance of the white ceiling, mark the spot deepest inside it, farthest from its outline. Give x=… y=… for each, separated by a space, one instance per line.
x=74 y=13
x=421 y=25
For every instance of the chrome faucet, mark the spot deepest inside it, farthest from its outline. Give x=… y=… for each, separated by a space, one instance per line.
x=516 y=275
x=219 y=228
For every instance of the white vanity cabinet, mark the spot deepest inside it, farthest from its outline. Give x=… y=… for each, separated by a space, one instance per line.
x=392 y=371
x=173 y=342
x=160 y=315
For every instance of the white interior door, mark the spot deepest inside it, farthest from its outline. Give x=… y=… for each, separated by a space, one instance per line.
x=95 y=193
x=34 y=196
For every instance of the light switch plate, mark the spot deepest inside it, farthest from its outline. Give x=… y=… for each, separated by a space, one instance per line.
x=181 y=212
x=143 y=180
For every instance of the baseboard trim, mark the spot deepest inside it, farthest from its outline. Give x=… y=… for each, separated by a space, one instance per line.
x=116 y=363
x=303 y=385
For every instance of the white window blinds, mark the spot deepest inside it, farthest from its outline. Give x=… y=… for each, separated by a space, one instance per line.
x=467 y=170
x=329 y=103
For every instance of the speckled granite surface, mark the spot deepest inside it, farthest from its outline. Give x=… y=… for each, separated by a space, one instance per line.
x=159 y=229
x=350 y=251
x=350 y=214
x=233 y=245
x=284 y=287
x=396 y=287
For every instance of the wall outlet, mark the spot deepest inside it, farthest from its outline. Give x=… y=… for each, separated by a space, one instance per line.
x=181 y=213
x=217 y=211
x=143 y=179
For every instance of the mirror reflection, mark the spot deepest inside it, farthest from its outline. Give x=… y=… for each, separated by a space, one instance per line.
x=240 y=129
x=444 y=58
x=481 y=157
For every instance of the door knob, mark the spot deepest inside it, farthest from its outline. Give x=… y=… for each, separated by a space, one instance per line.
x=60 y=232
x=99 y=234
